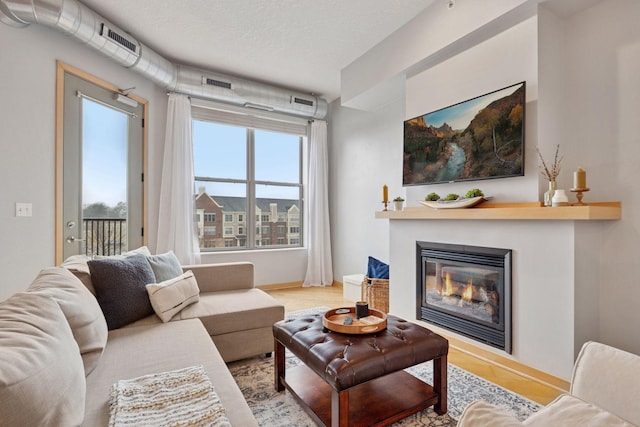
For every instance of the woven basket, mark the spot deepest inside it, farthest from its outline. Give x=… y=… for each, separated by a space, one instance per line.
x=376 y=293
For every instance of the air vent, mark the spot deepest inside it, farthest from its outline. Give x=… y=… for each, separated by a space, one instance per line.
x=303 y=101
x=218 y=83
x=121 y=40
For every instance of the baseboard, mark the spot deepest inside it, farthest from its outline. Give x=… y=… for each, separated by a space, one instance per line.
x=291 y=285
x=275 y=286
x=514 y=366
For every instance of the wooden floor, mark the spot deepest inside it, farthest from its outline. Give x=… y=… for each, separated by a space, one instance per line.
x=302 y=298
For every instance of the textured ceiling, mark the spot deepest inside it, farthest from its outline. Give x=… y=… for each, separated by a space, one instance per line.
x=300 y=44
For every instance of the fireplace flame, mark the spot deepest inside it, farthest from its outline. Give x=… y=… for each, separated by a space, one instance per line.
x=467 y=295
x=448 y=289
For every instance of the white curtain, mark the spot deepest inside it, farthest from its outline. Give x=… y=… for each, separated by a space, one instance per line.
x=176 y=227
x=319 y=265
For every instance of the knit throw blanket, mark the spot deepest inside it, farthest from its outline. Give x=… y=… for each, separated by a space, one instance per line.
x=184 y=397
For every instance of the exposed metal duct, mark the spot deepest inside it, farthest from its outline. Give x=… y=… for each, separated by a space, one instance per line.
x=77 y=20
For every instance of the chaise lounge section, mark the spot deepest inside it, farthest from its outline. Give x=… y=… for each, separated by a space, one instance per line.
x=56 y=350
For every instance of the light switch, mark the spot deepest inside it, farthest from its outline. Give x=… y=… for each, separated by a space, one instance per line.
x=24 y=209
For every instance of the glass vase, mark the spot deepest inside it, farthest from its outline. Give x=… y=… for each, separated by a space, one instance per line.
x=548 y=195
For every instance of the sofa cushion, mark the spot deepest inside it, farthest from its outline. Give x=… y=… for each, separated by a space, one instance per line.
x=81 y=309
x=601 y=375
x=120 y=288
x=569 y=410
x=231 y=311
x=171 y=296
x=158 y=348
x=42 y=378
x=77 y=264
x=165 y=266
x=480 y=413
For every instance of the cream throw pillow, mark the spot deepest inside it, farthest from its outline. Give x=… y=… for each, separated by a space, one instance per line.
x=42 y=380
x=171 y=296
x=81 y=309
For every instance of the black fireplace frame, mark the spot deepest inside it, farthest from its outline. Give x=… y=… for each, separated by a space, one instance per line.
x=500 y=336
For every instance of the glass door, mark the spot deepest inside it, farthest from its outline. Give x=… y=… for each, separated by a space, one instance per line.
x=102 y=171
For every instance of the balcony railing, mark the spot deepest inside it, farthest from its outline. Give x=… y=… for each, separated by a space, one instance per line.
x=105 y=236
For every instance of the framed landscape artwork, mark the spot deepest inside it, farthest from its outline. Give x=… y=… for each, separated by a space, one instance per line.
x=481 y=138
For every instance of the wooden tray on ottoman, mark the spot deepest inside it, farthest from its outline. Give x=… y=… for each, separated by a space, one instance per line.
x=334 y=320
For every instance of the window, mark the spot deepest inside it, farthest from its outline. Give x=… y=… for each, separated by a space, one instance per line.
x=251 y=169
x=209 y=217
x=294 y=229
x=209 y=230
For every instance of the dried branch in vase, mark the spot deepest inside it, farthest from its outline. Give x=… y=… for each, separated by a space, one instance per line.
x=550 y=174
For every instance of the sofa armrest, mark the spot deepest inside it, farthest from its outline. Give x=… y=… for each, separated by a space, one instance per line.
x=222 y=277
x=483 y=414
x=608 y=377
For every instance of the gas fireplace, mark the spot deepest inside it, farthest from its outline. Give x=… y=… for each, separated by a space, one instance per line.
x=466 y=289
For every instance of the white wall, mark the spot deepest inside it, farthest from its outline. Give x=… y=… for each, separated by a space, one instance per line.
x=27 y=140
x=364 y=155
x=435 y=34
x=583 y=87
x=27 y=143
x=603 y=87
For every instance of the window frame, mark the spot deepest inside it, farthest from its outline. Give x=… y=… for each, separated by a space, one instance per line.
x=209 y=111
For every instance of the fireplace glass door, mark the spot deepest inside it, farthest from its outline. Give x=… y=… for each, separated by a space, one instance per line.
x=466 y=289
x=469 y=292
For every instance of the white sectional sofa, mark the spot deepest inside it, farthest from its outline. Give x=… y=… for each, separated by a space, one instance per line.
x=605 y=391
x=58 y=360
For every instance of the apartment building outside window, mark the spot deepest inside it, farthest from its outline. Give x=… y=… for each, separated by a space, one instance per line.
x=246 y=171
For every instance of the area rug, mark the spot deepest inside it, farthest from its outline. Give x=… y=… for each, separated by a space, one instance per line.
x=255 y=378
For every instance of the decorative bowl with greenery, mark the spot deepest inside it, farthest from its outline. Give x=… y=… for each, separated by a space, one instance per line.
x=475 y=192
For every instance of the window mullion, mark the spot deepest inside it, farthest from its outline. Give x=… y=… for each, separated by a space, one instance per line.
x=251 y=191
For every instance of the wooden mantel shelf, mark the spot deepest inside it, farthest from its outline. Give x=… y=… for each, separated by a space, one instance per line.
x=513 y=211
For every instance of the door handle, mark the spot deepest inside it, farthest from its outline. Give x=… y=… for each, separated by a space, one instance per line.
x=73 y=239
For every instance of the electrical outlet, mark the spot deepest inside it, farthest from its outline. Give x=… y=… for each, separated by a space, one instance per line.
x=24 y=209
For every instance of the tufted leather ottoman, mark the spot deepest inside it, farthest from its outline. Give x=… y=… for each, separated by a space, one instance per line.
x=358 y=380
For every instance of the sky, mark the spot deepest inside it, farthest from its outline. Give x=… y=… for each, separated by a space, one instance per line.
x=104 y=151
x=219 y=152
x=460 y=115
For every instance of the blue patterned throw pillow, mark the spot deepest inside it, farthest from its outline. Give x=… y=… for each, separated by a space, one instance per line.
x=377 y=269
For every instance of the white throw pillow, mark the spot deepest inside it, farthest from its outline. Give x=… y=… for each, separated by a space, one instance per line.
x=171 y=296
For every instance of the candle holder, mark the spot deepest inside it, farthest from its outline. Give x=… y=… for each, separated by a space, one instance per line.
x=579 y=196
x=385 y=206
